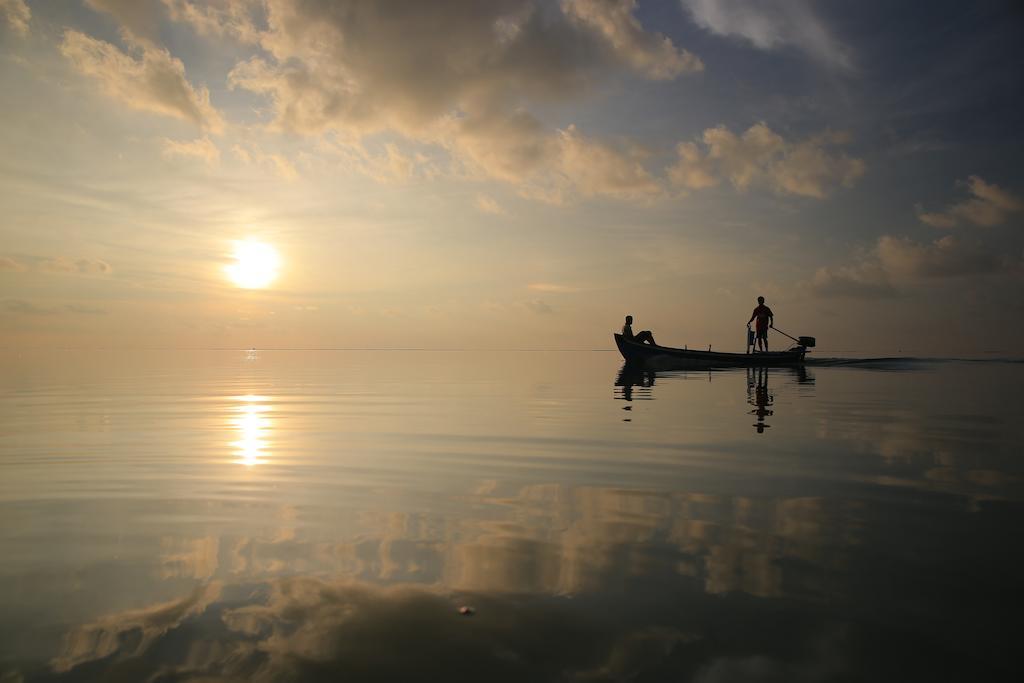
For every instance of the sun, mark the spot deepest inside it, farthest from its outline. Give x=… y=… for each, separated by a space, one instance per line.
x=255 y=265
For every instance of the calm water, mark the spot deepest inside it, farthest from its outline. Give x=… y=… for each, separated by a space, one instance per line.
x=173 y=516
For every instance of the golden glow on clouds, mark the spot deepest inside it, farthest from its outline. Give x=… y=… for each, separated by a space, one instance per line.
x=256 y=265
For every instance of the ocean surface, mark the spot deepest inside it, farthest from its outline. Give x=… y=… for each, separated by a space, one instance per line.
x=507 y=516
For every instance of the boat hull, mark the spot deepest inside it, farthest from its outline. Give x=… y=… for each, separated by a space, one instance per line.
x=664 y=356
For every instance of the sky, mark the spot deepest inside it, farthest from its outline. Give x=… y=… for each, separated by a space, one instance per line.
x=512 y=174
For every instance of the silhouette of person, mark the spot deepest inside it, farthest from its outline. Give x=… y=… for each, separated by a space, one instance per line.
x=765 y=319
x=643 y=337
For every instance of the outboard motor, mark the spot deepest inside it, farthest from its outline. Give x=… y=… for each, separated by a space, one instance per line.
x=806 y=342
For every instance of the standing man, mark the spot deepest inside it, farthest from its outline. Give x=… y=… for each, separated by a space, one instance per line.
x=765 y=319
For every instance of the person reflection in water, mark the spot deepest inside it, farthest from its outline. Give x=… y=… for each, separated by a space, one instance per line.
x=641 y=337
x=757 y=380
x=630 y=377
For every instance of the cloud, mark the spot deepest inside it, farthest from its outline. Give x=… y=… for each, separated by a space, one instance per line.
x=552 y=287
x=743 y=159
x=305 y=628
x=508 y=147
x=81 y=266
x=139 y=17
x=227 y=18
x=489 y=205
x=335 y=65
x=551 y=167
x=994 y=195
x=988 y=206
x=772 y=24
x=539 y=307
x=650 y=54
x=242 y=154
x=338 y=64
x=152 y=80
x=392 y=165
x=946 y=257
x=449 y=74
x=17 y=15
x=596 y=168
x=202 y=149
x=281 y=165
x=807 y=168
x=936 y=219
x=860 y=281
x=104 y=637
x=22 y=307
x=7 y=263
x=901 y=260
x=84 y=310
x=744 y=670
x=284 y=168
x=692 y=171
x=460 y=82
x=59 y=264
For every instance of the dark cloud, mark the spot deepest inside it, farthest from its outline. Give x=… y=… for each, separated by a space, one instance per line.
x=407 y=65
x=903 y=261
x=80 y=266
x=84 y=310
x=863 y=281
x=23 y=307
x=460 y=75
x=946 y=257
x=7 y=263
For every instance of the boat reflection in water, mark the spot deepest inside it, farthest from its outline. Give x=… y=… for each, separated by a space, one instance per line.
x=631 y=376
x=640 y=378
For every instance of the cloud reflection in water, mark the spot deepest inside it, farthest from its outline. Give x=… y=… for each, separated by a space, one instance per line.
x=312 y=629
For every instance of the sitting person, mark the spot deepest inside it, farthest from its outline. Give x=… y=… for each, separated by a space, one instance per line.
x=642 y=337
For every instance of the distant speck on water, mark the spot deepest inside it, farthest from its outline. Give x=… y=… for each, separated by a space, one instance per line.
x=467 y=611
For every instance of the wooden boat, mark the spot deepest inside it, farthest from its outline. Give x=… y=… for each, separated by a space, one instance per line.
x=666 y=357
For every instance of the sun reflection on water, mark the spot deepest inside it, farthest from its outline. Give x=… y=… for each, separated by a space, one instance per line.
x=253 y=425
